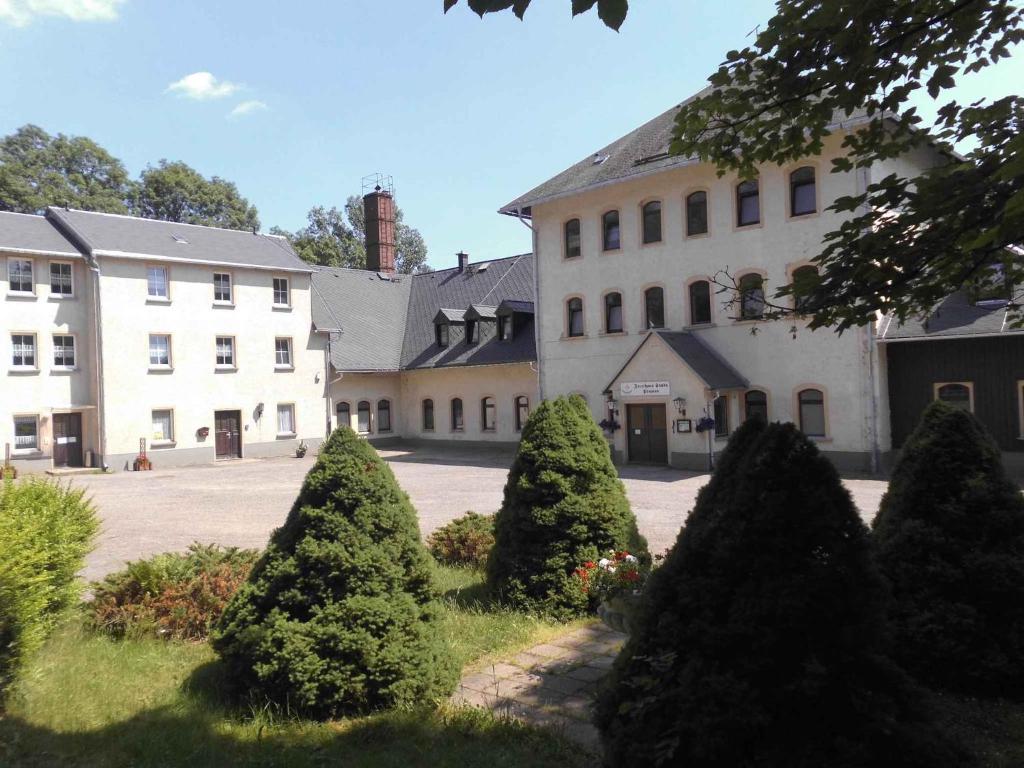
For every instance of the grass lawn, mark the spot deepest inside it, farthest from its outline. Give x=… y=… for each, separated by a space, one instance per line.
x=87 y=700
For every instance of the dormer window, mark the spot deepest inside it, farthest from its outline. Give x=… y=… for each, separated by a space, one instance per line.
x=505 y=328
x=443 y=337
x=472 y=331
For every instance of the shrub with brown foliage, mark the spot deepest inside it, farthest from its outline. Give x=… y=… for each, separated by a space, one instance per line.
x=466 y=540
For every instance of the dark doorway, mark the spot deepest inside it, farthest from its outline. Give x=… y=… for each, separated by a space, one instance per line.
x=647 y=434
x=229 y=434
x=67 y=439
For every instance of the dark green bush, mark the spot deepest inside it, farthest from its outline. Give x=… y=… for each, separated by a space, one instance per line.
x=949 y=536
x=340 y=614
x=170 y=595
x=760 y=641
x=466 y=540
x=564 y=505
x=46 y=530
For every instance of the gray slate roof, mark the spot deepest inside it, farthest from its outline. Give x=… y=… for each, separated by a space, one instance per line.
x=369 y=312
x=640 y=152
x=27 y=233
x=106 y=234
x=390 y=325
x=715 y=372
x=954 y=317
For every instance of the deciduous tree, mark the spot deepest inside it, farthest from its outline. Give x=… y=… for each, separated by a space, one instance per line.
x=173 y=191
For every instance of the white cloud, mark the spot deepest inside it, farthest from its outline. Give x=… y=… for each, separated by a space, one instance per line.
x=247 y=108
x=22 y=12
x=202 y=86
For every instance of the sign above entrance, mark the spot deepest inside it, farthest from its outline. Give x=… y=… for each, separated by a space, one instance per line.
x=645 y=389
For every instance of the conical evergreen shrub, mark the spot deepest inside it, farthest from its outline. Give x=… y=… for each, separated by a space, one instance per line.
x=761 y=639
x=564 y=505
x=949 y=536
x=340 y=616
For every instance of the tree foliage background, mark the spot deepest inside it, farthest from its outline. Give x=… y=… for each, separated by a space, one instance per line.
x=906 y=241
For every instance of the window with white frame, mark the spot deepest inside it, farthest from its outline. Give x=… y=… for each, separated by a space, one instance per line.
x=61 y=279
x=26 y=433
x=222 y=287
x=343 y=411
x=721 y=416
x=157 y=283
x=63 y=351
x=23 y=350
x=163 y=426
x=159 y=350
x=285 y=419
x=19 y=276
x=383 y=415
x=363 y=417
x=488 y=414
x=811 y=405
x=959 y=394
x=522 y=405
x=282 y=294
x=225 y=352
x=282 y=353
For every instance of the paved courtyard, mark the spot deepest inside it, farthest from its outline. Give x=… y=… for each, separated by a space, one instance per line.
x=239 y=503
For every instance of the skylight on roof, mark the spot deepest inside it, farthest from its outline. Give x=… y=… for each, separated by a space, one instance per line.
x=599 y=158
x=179 y=239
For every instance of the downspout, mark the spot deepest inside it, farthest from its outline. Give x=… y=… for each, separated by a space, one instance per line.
x=327 y=385
x=97 y=315
x=536 y=304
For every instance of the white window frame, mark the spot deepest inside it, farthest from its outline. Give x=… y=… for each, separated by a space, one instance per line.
x=384 y=429
x=288 y=408
x=169 y=365
x=233 y=365
x=369 y=417
x=970 y=391
x=35 y=352
x=71 y=279
x=167 y=439
x=289 y=363
x=11 y=260
x=74 y=352
x=488 y=402
x=287 y=292
x=164 y=298
x=230 y=301
x=14 y=424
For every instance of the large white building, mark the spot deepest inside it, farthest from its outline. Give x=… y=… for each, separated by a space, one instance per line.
x=121 y=333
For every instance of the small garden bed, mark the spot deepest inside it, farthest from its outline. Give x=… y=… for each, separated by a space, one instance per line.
x=88 y=699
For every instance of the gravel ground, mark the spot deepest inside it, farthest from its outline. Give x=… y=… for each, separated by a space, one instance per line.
x=240 y=502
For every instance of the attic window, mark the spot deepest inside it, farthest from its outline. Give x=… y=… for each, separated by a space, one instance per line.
x=482 y=267
x=179 y=239
x=505 y=328
x=472 y=332
x=442 y=335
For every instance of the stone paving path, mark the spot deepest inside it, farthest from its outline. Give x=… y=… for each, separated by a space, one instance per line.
x=552 y=684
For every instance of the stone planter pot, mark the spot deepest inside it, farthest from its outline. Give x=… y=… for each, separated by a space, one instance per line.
x=619 y=612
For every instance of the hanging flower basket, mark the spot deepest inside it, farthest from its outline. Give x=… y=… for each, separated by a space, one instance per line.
x=705 y=424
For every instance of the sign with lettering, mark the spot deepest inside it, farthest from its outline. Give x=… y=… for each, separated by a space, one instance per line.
x=645 y=389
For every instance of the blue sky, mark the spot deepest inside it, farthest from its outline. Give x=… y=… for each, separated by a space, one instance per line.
x=464 y=114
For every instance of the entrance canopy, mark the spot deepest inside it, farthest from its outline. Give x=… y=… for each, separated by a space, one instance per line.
x=663 y=356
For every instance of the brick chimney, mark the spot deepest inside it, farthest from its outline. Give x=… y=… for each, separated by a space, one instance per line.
x=463 y=260
x=379 y=212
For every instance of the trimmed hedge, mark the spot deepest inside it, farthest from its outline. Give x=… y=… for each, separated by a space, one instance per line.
x=340 y=615
x=760 y=641
x=564 y=505
x=46 y=530
x=949 y=536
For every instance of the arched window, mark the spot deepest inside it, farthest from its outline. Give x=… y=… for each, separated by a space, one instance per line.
x=697 y=214
x=574 y=316
x=700 y=302
x=613 y=313
x=654 y=308
x=755 y=403
x=812 y=412
x=802 y=194
x=652 y=222
x=344 y=414
x=383 y=415
x=488 y=415
x=363 y=416
x=522 y=408
x=722 y=416
x=805 y=280
x=748 y=203
x=572 y=239
x=610 y=240
x=959 y=394
x=428 y=415
x=751 y=296
x=442 y=334
x=457 y=421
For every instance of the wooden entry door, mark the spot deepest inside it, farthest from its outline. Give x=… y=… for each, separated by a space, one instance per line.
x=67 y=439
x=227 y=425
x=647 y=434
